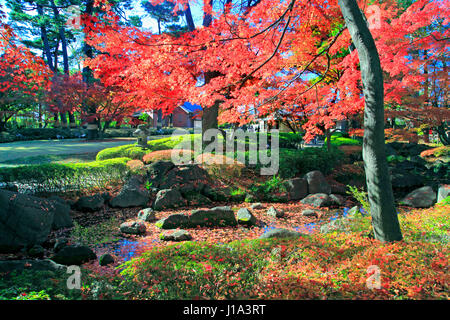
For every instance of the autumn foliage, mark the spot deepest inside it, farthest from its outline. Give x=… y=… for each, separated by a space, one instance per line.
x=292 y=57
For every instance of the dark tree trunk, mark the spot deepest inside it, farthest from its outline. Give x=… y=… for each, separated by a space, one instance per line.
x=189 y=20
x=44 y=38
x=62 y=37
x=384 y=216
x=88 y=79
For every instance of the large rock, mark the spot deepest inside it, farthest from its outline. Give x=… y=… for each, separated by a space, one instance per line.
x=169 y=198
x=133 y=227
x=175 y=235
x=90 y=203
x=74 y=255
x=105 y=259
x=423 y=197
x=146 y=215
x=245 y=217
x=297 y=188
x=443 y=192
x=34 y=265
x=173 y=221
x=133 y=194
x=317 y=183
x=276 y=213
x=401 y=179
x=214 y=217
x=318 y=200
x=62 y=218
x=157 y=172
x=24 y=220
x=280 y=233
x=186 y=179
x=310 y=213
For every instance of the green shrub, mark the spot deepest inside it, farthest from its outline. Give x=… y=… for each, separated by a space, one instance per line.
x=36 y=285
x=267 y=191
x=132 y=151
x=299 y=162
x=338 y=139
x=57 y=177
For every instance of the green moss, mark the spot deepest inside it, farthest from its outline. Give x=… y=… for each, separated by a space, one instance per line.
x=66 y=176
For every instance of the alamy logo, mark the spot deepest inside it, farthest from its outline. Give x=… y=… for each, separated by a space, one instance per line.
x=251 y=148
x=74 y=280
x=373 y=280
x=373 y=13
x=74 y=19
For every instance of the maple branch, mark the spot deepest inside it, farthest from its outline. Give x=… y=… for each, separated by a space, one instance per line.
x=242 y=82
x=296 y=77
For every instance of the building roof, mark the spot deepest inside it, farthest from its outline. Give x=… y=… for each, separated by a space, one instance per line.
x=190 y=108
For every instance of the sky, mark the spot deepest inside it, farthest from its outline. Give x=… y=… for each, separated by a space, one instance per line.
x=147 y=23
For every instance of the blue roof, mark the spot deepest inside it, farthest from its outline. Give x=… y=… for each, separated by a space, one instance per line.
x=189 y=107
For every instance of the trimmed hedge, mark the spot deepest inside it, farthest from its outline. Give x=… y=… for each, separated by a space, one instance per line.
x=57 y=177
x=135 y=152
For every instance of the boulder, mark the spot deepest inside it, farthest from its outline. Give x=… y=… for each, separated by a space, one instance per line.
x=105 y=259
x=173 y=221
x=337 y=188
x=443 y=192
x=146 y=215
x=24 y=220
x=90 y=203
x=62 y=218
x=74 y=255
x=404 y=180
x=36 y=251
x=318 y=200
x=133 y=227
x=214 y=217
x=175 y=235
x=276 y=213
x=257 y=206
x=188 y=178
x=157 y=172
x=245 y=217
x=310 y=213
x=280 y=233
x=168 y=198
x=317 y=183
x=297 y=188
x=35 y=265
x=133 y=194
x=337 y=199
x=423 y=197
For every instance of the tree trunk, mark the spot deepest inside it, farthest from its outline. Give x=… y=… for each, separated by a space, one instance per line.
x=88 y=78
x=62 y=37
x=189 y=20
x=384 y=216
x=44 y=38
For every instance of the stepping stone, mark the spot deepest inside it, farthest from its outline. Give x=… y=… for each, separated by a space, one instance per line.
x=175 y=235
x=277 y=213
x=173 y=221
x=257 y=206
x=133 y=227
x=147 y=215
x=310 y=213
x=245 y=217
